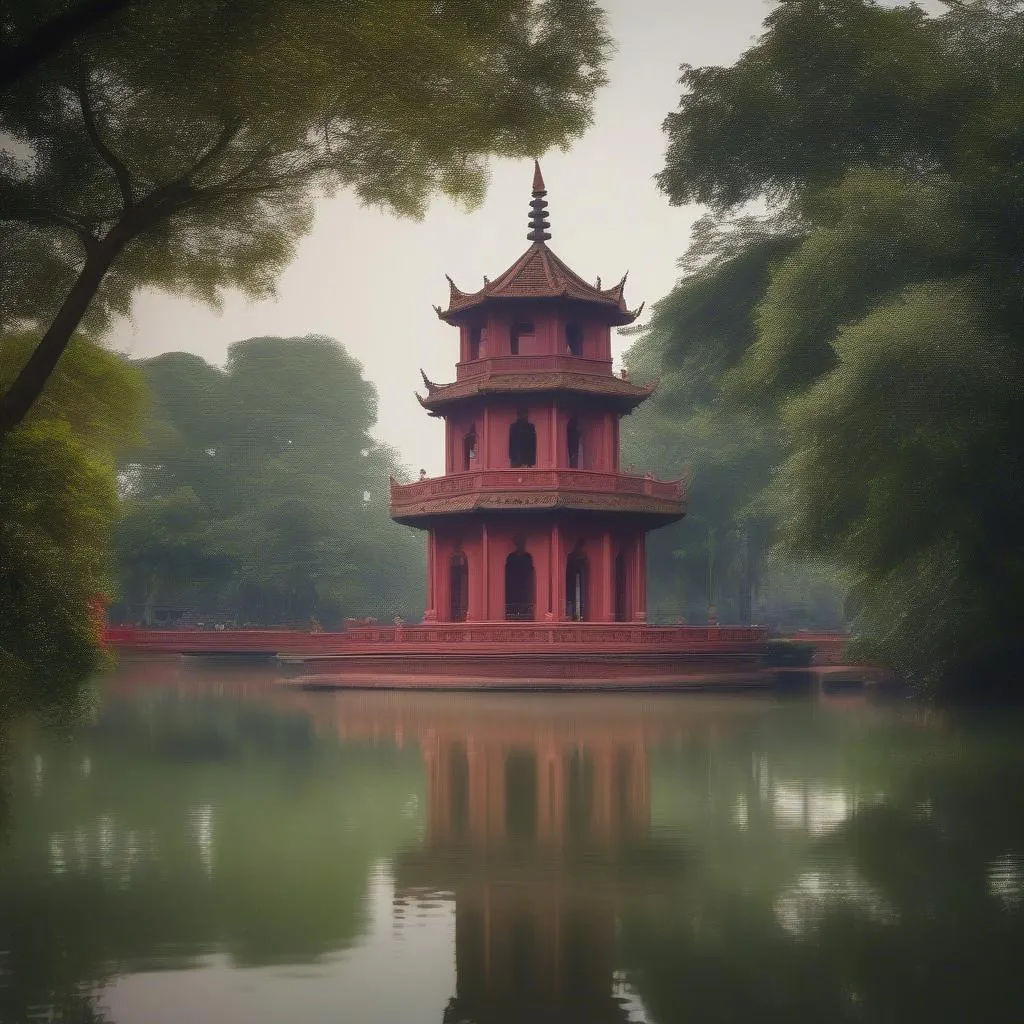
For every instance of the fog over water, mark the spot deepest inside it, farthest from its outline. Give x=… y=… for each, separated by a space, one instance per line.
x=215 y=846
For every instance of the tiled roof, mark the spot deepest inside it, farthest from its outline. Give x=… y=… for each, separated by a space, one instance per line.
x=540 y=274
x=629 y=395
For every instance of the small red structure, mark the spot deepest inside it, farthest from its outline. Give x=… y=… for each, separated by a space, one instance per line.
x=533 y=519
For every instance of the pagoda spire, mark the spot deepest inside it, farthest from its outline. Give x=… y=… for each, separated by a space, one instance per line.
x=539 y=223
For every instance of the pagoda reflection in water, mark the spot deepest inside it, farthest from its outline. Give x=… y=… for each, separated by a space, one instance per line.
x=532 y=832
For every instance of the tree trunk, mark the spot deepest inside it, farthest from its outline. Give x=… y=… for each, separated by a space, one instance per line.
x=29 y=384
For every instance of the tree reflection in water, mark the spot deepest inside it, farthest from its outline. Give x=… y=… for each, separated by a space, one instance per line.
x=605 y=859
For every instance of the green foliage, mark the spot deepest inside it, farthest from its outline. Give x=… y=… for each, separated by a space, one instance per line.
x=698 y=334
x=181 y=146
x=259 y=494
x=888 y=340
x=828 y=86
x=58 y=503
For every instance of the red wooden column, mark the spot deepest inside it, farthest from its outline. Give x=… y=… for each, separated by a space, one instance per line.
x=431 y=611
x=554 y=434
x=640 y=609
x=483 y=575
x=557 y=574
x=634 y=578
x=608 y=463
x=604 y=597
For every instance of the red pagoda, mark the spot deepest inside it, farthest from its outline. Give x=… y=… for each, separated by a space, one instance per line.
x=533 y=519
x=535 y=537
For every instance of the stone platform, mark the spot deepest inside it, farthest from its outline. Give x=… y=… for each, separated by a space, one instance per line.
x=486 y=655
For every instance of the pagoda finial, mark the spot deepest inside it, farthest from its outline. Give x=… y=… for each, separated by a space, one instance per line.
x=539 y=223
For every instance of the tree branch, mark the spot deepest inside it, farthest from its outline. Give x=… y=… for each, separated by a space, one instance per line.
x=223 y=140
x=32 y=378
x=46 y=215
x=112 y=160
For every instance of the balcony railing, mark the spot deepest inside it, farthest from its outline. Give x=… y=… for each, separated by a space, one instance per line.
x=519 y=613
x=531 y=364
x=526 y=480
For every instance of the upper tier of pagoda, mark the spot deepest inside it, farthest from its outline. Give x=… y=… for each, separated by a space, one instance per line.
x=540 y=274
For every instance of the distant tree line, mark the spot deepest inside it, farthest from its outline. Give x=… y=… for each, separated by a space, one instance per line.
x=259 y=496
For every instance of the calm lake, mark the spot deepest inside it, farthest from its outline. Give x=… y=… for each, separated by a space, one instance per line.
x=211 y=848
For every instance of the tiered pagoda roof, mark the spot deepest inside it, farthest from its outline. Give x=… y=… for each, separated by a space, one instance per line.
x=623 y=395
x=539 y=274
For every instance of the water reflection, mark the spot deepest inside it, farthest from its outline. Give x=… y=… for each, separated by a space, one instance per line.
x=213 y=841
x=531 y=827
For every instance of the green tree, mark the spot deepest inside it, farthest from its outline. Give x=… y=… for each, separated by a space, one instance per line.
x=260 y=493
x=888 y=342
x=58 y=504
x=181 y=146
x=717 y=557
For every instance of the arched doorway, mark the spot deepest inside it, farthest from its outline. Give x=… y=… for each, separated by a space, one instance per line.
x=458 y=587
x=522 y=443
x=576 y=586
x=574 y=442
x=469 y=450
x=574 y=339
x=622 y=612
x=519 y=586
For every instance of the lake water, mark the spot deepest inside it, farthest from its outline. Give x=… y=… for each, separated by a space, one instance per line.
x=211 y=848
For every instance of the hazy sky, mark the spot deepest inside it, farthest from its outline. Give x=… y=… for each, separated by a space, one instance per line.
x=369 y=279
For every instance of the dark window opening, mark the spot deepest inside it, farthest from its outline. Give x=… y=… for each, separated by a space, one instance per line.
x=522 y=443
x=574 y=339
x=576 y=587
x=458 y=576
x=476 y=337
x=519 y=331
x=469 y=449
x=574 y=442
x=519 y=586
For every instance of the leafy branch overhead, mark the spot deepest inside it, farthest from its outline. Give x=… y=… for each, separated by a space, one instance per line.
x=181 y=146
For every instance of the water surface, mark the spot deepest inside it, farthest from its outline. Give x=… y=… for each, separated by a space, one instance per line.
x=214 y=848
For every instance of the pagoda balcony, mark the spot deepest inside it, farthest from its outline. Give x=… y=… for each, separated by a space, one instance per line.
x=538 y=490
x=496 y=365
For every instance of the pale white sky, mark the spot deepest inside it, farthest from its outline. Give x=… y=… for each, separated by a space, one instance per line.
x=369 y=279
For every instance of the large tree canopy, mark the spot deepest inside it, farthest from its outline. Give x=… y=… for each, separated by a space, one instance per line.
x=889 y=340
x=181 y=146
x=260 y=495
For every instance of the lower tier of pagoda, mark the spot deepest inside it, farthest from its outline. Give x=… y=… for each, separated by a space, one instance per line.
x=536 y=568
x=425 y=502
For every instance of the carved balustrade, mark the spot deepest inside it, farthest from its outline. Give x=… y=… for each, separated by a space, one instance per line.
x=525 y=480
x=485 y=634
x=531 y=364
x=499 y=638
